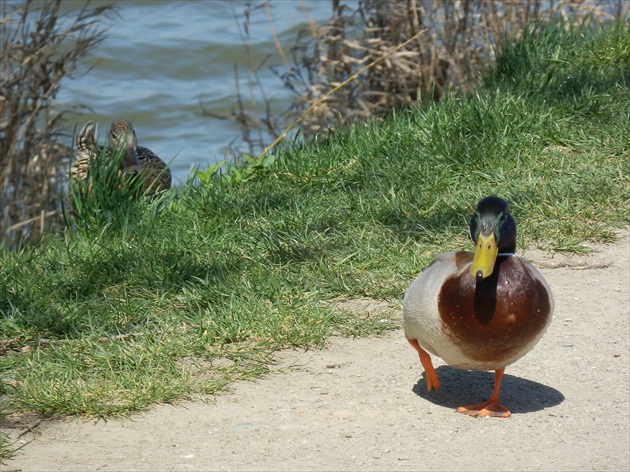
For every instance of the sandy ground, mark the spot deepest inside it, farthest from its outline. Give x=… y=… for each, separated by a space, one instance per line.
x=362 y=404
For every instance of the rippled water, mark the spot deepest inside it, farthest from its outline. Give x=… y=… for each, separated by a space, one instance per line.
x=163 y=61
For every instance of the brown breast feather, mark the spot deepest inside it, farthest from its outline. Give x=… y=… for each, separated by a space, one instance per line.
x=493 y=319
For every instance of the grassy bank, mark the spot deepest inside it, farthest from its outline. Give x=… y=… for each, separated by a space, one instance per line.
x=200 y=288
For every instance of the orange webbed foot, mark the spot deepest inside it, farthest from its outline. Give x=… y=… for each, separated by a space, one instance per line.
x=489 y=408
x=492 y=407
x=433 y=383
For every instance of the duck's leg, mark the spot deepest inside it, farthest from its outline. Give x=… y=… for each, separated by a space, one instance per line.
x=432 y=379
x=492 y=407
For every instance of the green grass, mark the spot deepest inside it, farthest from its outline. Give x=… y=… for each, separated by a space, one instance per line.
x=101 y=200
x=162 y=300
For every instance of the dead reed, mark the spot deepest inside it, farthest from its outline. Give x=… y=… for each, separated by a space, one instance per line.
x=39 y=46
x=457 y=49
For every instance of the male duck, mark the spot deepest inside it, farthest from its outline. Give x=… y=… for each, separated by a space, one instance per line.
x=139 y=161
x=480 y=311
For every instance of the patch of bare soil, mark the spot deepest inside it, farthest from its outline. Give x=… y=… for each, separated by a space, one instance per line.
x=362 y=404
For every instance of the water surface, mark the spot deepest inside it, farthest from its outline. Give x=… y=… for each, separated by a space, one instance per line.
x=163 y=62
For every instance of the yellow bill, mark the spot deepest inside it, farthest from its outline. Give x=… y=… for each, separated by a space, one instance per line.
x=485 y=256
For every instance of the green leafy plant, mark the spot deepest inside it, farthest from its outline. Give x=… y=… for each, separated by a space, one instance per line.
x=238 y=174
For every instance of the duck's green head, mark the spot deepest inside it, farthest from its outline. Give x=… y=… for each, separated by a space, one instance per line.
x=493 y=230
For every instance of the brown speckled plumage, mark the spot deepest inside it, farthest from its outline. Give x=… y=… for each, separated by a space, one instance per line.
x=86 y=149
x=150 y=170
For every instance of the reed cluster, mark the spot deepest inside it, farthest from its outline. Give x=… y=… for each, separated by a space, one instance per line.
x=39 y=47
x=458 y=47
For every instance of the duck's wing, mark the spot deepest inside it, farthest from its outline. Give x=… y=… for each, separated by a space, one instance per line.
x=155 y=174
x=85 y=150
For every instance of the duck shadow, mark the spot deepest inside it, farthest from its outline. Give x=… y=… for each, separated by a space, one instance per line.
x=469 y=387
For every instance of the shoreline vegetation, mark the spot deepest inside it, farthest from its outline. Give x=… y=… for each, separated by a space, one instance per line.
x=156 y=300
x=448 y=46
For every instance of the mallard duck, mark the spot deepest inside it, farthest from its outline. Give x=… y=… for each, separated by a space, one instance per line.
x=480 y=311
x=154 y=175
x=87 y=153
x=138 y=161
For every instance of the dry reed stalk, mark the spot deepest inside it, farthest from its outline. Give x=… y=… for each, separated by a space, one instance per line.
x=276 y=40
x=457 y=49
x=39 y=46
x=334 y=89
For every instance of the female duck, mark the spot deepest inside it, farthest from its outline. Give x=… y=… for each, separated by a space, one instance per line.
x=480 y=311
x=138 y=161
x=88 y=153
x=154 y=175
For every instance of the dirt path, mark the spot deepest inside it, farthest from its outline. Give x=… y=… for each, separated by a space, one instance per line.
x=362 y=404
